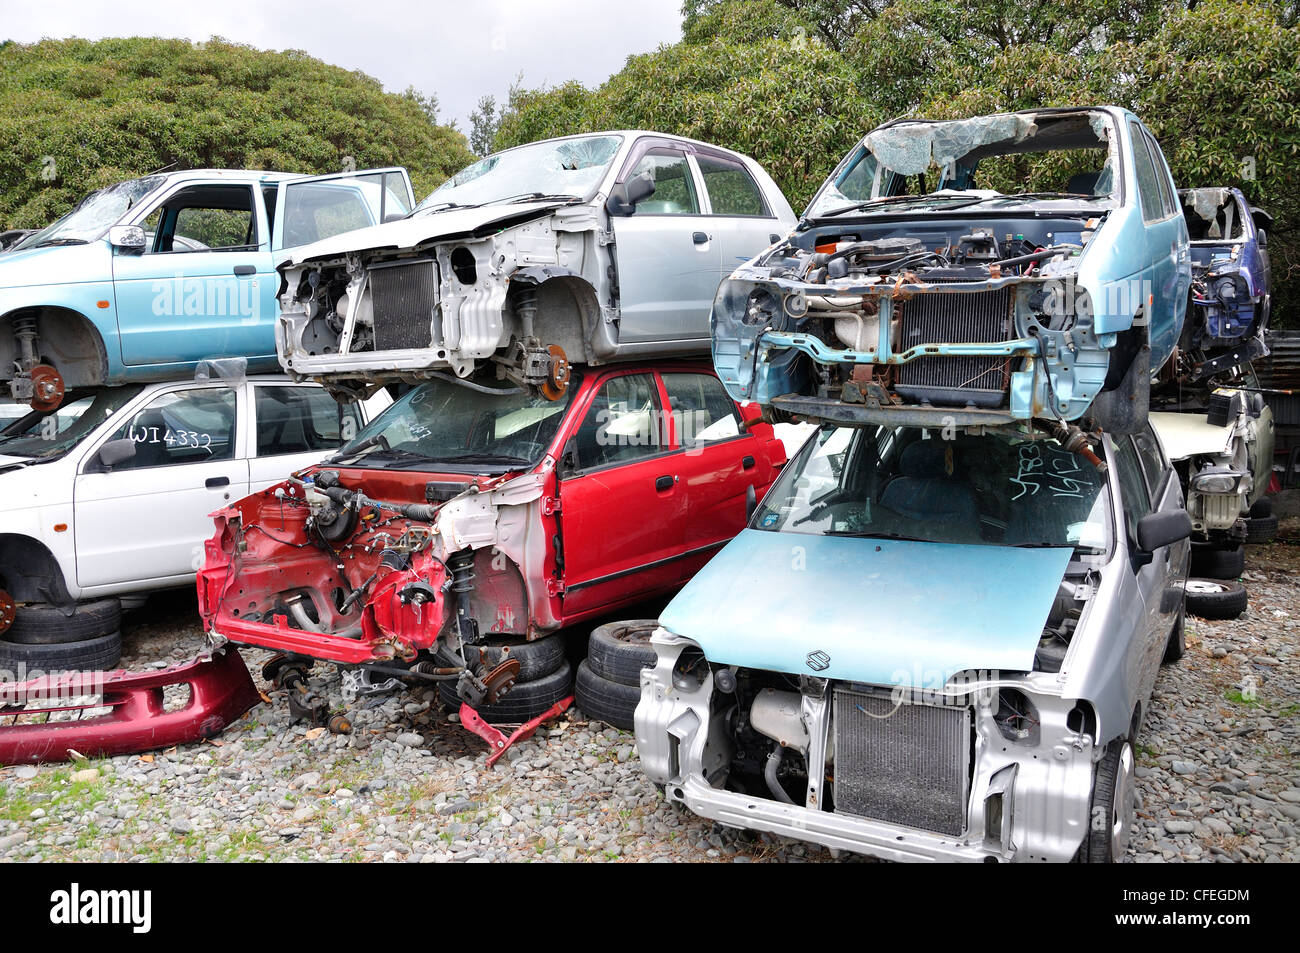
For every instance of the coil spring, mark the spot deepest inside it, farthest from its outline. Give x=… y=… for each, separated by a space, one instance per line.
x=461 y=565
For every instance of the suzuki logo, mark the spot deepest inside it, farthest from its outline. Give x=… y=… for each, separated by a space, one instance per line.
x=818 y=661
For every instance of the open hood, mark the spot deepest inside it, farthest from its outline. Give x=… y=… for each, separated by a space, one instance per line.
x=425 y=227
x=1189 y=435
x=879 y=611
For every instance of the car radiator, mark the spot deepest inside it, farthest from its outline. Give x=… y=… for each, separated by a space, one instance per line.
x=939 y=317
x=902 y=763
x=404 y=298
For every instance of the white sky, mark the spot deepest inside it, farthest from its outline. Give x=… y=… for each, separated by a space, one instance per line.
x=457 y=50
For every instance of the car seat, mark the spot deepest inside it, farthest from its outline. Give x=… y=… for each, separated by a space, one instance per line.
x=924 y=491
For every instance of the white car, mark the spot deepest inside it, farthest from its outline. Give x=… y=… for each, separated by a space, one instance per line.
x=107 y=498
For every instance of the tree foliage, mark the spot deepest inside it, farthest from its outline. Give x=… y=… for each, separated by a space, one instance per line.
x=795 y=84
x=76 y=115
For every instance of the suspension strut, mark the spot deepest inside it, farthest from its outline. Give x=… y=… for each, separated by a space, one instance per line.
x=38 y=384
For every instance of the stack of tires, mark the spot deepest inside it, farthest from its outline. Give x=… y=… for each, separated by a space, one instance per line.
x=1214 y=588
x=1262 y=525
x=609 y=681
x=42 y=639
x=545 y=677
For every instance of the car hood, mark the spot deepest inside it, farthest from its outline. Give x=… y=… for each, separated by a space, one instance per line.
x=56 y=265
x=1188 y=435
x=879 y=611
x=25 y=482
x=410 y=232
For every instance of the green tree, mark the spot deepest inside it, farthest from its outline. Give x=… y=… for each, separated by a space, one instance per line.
x=76 y=115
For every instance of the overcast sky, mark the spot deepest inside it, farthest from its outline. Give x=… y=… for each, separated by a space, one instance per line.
x=457 y=50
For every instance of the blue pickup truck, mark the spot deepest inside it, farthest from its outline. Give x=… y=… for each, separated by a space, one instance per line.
x=147 y=278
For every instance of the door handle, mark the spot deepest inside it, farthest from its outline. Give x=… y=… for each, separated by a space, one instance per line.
x=700 y=238
x=245 y=270
x=747 y=463
x=214 y=483
x=665 y=483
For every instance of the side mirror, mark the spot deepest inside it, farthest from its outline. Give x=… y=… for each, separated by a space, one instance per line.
x=127 y=237
x=751 y=503
x=113 y=453
x=624 y=196
x=1157 y=530
x=394 y=217
x=569 y=458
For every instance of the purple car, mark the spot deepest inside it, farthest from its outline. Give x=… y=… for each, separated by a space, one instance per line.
x=1230 y=279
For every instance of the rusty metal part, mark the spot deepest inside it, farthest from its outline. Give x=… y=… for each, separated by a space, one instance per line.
x=221 y=691
x=499 y=742
x=500 y=679
x=7 y=611
x=340 y=725
x=558 y=372
x=47 y=388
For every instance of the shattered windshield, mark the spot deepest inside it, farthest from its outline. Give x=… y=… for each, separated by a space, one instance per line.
x=559 y=167
x=986 y=160
x=48 y=436
x=462 y=429
x=97 y=211
x=1002 y=488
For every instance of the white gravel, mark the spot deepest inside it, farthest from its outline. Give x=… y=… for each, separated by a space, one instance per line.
x=1218 y=767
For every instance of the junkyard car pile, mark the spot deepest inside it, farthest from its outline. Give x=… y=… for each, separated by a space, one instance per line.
x=934 y=633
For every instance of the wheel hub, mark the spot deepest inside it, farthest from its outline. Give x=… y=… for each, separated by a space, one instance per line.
x=7 y=611
x=1122 y=811
x=47 y=388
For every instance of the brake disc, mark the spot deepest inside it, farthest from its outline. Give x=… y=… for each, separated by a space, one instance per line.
x=7 y=611
x=47 y=388
x=558 y=373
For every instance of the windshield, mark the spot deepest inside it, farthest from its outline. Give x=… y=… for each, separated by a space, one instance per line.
x=986 y=160
x=48 y=436
x=558 y=167
x=97 y=211
x=1001 y=488
x=449 y=426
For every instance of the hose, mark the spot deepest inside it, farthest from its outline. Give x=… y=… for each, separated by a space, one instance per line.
x=769 y=774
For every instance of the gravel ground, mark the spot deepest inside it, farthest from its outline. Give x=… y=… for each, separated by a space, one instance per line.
x=1218 y=769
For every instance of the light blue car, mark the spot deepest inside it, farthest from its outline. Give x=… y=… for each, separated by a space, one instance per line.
x=922 y=287
x=149 y=277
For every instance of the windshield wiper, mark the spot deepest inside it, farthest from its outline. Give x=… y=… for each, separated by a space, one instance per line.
x=897 y=200
x=535 y=196
x=863 y=534
x=59 y=241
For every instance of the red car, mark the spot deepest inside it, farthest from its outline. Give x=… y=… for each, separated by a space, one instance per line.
x=467 y=524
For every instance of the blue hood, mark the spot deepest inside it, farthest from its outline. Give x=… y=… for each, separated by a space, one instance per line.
x=879 y=611
x=57 y=265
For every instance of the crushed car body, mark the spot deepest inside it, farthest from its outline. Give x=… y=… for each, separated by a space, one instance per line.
x=581 y=250
x=989 y=623
x=922 y=284
x=466 y=524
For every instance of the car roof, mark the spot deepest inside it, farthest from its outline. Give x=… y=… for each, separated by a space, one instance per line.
x=233 y=175
x=632 y=134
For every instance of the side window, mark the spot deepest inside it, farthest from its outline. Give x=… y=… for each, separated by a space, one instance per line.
x=674 y=187
x=1137 y=503
x=1153 y=462
x=624 y=423
x=192 y=426
x=302 y=420
x=1148 y=187
x=702 y=412
x=1168 y=201
x=732 y=190
x=204 y=218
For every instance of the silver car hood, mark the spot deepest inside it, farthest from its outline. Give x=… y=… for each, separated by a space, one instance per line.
x=410 y=232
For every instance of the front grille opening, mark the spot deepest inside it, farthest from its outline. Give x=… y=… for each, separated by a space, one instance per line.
x=404 y=298
x=983 y=317
x=907 y=764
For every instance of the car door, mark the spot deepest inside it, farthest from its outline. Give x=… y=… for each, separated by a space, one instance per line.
x=740 y=217
x=1168 y=252
x=294 y=426
x=316 y=207
x=146 y=518
x=668 y=261
x=203 y=287
x=716 y=463
x=621 y=506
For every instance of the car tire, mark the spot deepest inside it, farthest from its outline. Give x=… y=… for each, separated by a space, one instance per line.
x=1261 y=529
x=537 y=659
x=617 y=651
x=1176 y=646
x=1216 y=598
x=44 y=624
x=611 y=702
x=524 y=700
x=1261 y=507
x=1210 y=563
x=89 y=655
x=1110 y=814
